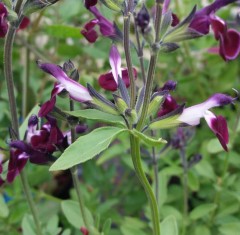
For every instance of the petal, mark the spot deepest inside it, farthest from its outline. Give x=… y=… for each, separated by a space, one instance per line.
x=218 y=125
x=230 y=45
x=170 y=85
x=89 y=32
x=16 y=163
x=106 y=27
x=168 y=106
x=76 y=90
x=107 y=82
x=193 y=114
x=115 y=62
x=218 y=25
x=25 y=23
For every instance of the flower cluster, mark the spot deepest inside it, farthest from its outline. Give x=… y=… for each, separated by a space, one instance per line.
x=38 y=146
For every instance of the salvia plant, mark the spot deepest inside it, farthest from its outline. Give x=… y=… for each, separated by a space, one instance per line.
x=128 y=109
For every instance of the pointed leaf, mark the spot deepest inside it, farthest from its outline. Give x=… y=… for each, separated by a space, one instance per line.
x=4 y=211
x=202 y=210
x=148 y=140
x=72 y=212
x=86 y=147
x=169 y=226
x=94 y=114
x=107 y=226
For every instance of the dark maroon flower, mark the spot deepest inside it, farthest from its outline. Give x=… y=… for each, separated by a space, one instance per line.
x=3 y=20
x=229 y=39
x=107 y=82
x=90 y=3
x=17 y=161
x=105 y=26
x=38 y=147
x=218 y=125
x=25 y=23
x=89 y=31
x=168 y=106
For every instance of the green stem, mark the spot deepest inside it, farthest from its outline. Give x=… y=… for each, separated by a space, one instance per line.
x=151 y=67
x=136 y=159
x=185 y=188
x=139 y=51
x=126 y=44
x=14 y=117
x=30 y=201
x=76 y=183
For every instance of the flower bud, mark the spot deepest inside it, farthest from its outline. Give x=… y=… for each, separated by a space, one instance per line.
x=143 y=18
x=131 y=115
x=120 y=104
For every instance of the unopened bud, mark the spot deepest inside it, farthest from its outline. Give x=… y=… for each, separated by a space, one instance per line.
x=131 y=115
x=74 y=75
x=143 y=18
x=155 y=105
x=120 y=104
x=34 y=5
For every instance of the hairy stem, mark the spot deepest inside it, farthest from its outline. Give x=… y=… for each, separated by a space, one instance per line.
x=151 y=67
x=136 y=159
x=139 y=51
x=127 y=50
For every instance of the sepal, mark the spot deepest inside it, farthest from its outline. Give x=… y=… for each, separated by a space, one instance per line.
x=101 y=103
x=168 y=47
x=120 y=104
x=34 y=5
x=131 y=116
x=156 y=101
x=167 y=121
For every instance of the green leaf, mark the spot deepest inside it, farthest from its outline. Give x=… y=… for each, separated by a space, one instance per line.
x=115 y=5
x=4 y=211
x=202 y=230
x=28 y=226
x=148 y=140
x=107 y=226
x=86 y=147
x=169 y=226
x=52 y=226
x=66 y=232
x=230 y=228
x=97 y=115
x=62 y=31
x=72 y=212
x=193 y=181
x=202 y=210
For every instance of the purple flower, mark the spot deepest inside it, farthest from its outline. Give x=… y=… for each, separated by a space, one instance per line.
x=105 y=26
x=192 y=115
x=169 y=105
x=3 y=20
x=38 y=147
x=201 y=21
x=229 y=39
x=90 y=3
x=76 y=91
x=107 y=81
x=89 y=31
